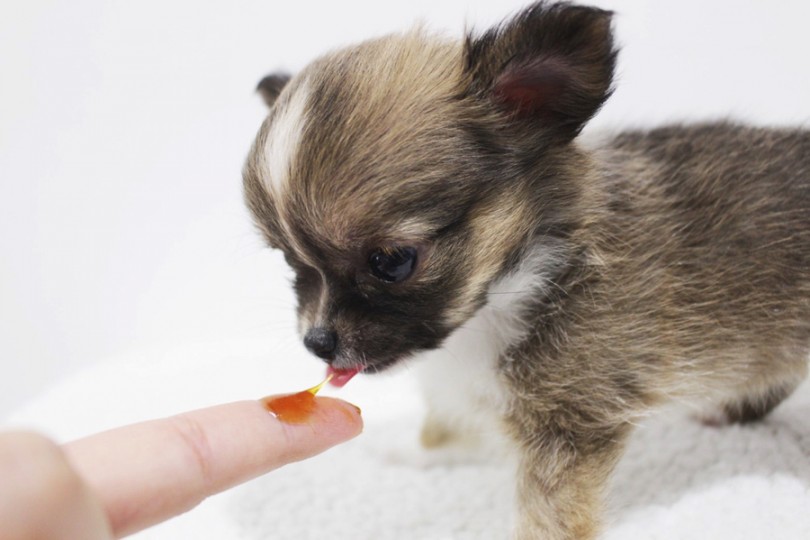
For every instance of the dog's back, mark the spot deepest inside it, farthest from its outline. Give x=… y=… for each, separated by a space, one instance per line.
x=707 y=233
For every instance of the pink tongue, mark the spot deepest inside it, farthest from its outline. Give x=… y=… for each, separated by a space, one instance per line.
x=341 y=376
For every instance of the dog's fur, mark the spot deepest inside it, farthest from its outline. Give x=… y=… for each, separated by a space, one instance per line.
x=582 y=285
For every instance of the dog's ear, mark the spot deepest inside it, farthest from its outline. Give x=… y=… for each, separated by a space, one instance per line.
x=551 y=66
x=271 y=86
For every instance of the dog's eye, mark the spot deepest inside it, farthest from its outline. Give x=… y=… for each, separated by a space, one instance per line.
x=392 y=265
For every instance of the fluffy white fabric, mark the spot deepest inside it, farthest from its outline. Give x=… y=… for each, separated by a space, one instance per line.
x=679 y=480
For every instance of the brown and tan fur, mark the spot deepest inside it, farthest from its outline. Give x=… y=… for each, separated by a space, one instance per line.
x=679 y=258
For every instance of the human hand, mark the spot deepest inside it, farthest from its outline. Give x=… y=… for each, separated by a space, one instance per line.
x=123 y=480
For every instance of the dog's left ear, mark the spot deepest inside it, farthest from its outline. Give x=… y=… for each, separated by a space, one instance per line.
x=271 y=86
x=551 y=67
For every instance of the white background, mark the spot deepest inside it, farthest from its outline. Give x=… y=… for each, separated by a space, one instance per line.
x=123 y=126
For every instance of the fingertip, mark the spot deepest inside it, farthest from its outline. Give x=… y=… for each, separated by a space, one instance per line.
x=326 y=422
x=342 y=414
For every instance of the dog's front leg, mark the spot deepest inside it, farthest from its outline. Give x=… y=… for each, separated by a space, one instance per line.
x=561 y=481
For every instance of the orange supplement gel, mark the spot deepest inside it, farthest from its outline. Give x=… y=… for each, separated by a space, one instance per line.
x=294 y=408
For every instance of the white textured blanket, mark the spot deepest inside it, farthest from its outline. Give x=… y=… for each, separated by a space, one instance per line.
x=680 y=479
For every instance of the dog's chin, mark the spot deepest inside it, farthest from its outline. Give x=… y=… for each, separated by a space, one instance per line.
x=363 y=364
x=380 y=366
x=341 y=372
x=344 y=368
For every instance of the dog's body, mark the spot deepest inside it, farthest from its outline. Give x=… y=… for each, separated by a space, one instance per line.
x=433 y=196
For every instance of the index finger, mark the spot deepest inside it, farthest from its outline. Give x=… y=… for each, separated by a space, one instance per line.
x=148 y=472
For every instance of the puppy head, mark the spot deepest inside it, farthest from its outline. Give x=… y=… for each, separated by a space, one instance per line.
x=402 y=176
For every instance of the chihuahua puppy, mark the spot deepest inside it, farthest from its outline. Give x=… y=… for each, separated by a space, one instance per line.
x=434 y=200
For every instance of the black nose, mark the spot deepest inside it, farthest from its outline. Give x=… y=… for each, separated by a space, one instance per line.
x=321 y=342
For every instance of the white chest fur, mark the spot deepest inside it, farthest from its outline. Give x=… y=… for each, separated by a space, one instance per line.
x=463 y=389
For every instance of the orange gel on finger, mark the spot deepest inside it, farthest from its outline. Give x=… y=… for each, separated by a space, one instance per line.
x=294 y=408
